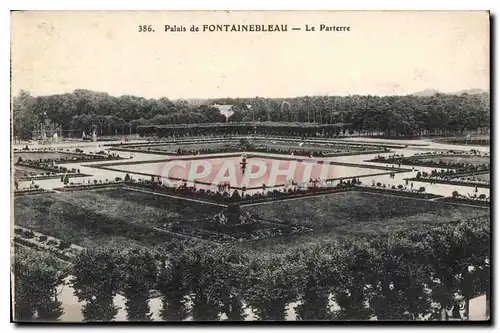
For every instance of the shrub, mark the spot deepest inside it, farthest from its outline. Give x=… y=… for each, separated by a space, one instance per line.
x=482 y=196
x=42 y=238
x=400 y=186
x=28 y=234
x=18 y=231
x=36 y=186
x=419 y=175
x=421 y=189
x=379 y=184
x=117 y=179
x=454 y=194
x=52 y=242
x=425 y=174
x=64 y=245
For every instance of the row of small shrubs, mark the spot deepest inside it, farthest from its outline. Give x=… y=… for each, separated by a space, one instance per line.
x=29 y=234
x=399 y=187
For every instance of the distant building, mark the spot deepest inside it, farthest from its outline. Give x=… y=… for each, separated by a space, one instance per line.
x=227 y=109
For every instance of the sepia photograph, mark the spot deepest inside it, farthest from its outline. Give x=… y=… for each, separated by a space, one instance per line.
x=250 y=166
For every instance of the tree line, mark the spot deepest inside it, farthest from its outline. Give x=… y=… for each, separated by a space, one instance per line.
x=86 y=111
x=400 y=276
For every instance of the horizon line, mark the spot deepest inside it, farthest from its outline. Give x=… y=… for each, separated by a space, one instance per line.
x=429 y=90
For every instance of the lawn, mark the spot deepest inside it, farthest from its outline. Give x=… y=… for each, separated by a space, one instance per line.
x=185 y=146
x=21 y=171
x=357 y=214
x=113 y=217
x=125 y=218
x=485 y=177
x=474 y=160
x=42 y=155
x=121 y=218
x=172 y=147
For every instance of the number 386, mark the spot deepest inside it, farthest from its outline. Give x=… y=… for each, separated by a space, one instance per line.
x=146 y=28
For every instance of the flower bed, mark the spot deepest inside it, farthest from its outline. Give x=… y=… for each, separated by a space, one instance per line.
x=67 y=156
x=475 y=201
x=221 y=229
x=413 y=193
x=94 y=185
x=429 y=160
x=30 y=191
x=51 y=170
x=257 y=148
x=61 y=249
x=458 y=182
x=226 y=198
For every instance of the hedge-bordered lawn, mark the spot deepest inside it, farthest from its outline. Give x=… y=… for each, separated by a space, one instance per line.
x=485 y=177
x=21 y=171
x=357 y=213
x=468 y=159
x=36 y=155
x=124 y=218
x=112 y=217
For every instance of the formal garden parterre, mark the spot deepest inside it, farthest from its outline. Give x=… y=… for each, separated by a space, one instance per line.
x=123 y=214
x=377 y=254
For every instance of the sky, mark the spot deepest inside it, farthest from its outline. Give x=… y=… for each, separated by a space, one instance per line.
x=384 y=53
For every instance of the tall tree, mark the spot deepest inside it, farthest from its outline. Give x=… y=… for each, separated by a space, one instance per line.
x=35 y=292
x=95 y=281
x=271 y=286
x=138 y=278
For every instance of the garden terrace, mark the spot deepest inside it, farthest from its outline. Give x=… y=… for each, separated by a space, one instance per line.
x=356 y=213
x=266 y=139
x=398 y=190
x=462 y=163
x=225 y=198
x=273 y=146
x=245 y=128
x=268 y=149
x=60 y=157
x=481 y=180
x=31 y=169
